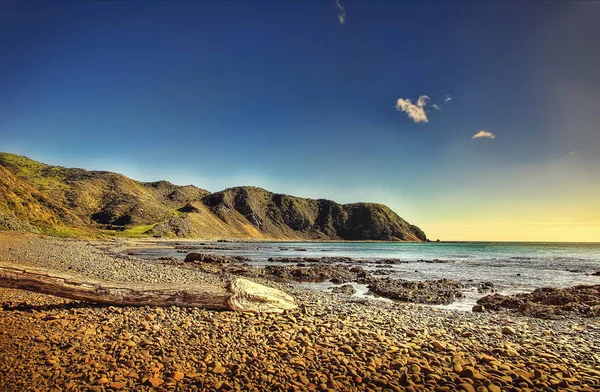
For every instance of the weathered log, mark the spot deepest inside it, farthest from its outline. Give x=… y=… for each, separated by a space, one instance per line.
x=238 y=294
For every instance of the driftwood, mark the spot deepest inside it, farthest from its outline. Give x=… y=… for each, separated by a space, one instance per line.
x=238 y=294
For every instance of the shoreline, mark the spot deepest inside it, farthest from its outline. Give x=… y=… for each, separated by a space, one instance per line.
x=331 y=342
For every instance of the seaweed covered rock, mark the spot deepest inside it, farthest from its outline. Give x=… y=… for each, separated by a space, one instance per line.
x=442 y=291
x=548 y=302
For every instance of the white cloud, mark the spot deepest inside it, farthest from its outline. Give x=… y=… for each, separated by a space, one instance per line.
x=415 y=111
x=447 y=99
x=435 y=106
x=342 y=14
x=483 y=133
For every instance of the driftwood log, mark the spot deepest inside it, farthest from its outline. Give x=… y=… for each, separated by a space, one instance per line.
x=237 y=294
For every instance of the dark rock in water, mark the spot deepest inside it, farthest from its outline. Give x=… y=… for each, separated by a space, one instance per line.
x=347 y=289
x=486 y=287
x=167 y=258
x=205 y=258
x=390 y=261
x=478 y=308
x=318 y=273
x=301 y=250
x=435 y=261
x=322 y=260
x=597 y=273
x=549 y=302
x=338 y=280
x=441 y=291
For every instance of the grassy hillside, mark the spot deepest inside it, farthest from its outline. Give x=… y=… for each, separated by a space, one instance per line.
x=53 y=199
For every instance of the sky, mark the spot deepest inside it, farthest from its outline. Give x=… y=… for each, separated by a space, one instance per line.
x=472 y=120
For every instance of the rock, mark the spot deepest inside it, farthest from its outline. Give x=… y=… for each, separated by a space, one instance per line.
x=177 y=376
x=466 y=387
x=346 y=349
x=486 y=287
x=102 y=381
x=218 y=368
x=438 y=345
x=205 y=258
x=39 y=338
x=478 y=308
x=547 y=302
x=468 y=373
x=155 y=381
x=346 y=289
x=442 y=291
x=507 y=330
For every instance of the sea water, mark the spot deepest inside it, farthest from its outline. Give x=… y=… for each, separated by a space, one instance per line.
x=512 y=267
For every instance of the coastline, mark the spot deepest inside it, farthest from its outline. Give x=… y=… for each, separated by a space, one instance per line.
x=332 y=342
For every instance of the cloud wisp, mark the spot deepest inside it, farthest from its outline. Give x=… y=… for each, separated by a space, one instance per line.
x=447 y=99
x=342 y=14
x=416 y=111
x=484 y=134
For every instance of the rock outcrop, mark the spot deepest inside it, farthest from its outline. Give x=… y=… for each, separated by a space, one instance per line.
x=549 y=302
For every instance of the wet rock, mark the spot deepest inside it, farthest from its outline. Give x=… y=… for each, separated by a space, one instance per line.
x=478 y=308
x=346 y=289
x=583 y=300
x=441 y=291
x=205 y=258
x=317 y=273
x=486 y=287
x=435 y=261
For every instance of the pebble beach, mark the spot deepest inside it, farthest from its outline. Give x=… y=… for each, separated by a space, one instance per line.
x=331 y=342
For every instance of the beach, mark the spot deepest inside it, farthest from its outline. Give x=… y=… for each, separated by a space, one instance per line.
x=330 y=342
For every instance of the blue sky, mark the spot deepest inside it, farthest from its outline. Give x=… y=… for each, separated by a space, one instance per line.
x=283 y=96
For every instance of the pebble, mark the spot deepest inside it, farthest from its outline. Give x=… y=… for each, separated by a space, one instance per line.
x=506 y=330
x=178 y=376
x=330 y=343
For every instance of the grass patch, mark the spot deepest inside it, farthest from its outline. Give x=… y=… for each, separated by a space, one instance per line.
x=134 y=231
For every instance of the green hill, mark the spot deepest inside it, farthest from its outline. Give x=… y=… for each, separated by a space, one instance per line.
x=57 y=200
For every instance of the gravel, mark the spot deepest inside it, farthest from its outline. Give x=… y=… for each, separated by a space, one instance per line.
x=331 y=342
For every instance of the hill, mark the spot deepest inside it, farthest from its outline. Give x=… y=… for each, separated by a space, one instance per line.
x=57 y=200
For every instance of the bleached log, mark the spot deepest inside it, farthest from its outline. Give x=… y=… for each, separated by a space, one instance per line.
x=238 y=294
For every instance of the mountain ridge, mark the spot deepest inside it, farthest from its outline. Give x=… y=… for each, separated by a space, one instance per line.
x=71 y=201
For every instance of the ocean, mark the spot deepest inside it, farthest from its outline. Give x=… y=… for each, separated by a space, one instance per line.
x=512 y=267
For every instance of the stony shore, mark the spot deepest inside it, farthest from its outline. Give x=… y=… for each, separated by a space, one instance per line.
x=331 y=342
